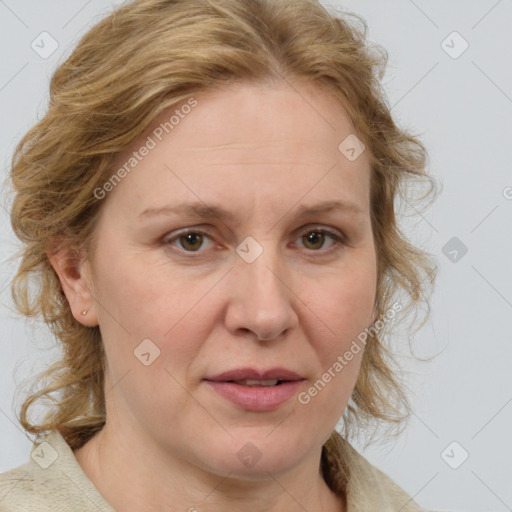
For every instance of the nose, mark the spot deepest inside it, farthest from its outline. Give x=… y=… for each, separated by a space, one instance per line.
x=262 y=301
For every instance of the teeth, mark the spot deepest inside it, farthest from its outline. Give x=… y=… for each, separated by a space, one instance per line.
x=256 y=383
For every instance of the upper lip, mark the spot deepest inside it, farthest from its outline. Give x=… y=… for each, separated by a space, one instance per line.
x=254 y=374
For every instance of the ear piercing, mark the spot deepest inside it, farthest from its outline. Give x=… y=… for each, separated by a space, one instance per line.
x=84 y=312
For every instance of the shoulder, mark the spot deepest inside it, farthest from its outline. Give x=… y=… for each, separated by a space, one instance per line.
x=20 y=489
x=369 y=484
x=51 y=480
x=368 y=488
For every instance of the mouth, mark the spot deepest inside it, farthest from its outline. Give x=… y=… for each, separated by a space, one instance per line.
x=258 y=383
x=248 y=376
x=256 y=390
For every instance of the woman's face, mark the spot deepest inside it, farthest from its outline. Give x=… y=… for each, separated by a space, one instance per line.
x=183 y=296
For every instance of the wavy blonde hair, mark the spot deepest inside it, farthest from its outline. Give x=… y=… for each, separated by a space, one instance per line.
x=148 y=56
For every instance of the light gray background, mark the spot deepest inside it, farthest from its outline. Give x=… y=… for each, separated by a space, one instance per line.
x=462 y=107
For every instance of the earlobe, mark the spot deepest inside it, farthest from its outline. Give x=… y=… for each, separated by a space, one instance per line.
x=71 y=268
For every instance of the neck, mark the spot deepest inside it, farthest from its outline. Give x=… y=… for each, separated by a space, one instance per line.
x=140 y=476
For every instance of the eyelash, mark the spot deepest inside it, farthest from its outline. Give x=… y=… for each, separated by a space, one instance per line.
x=339 y=239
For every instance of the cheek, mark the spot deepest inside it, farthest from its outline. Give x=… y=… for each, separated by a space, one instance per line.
x=142 y=299
x=345 y=308
x=139 y=303
x=137 y=295
x=344 y=305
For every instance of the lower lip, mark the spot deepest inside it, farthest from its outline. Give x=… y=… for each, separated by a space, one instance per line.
x=256 y=398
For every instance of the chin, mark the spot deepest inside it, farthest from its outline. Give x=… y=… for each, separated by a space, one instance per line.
x=252 y=456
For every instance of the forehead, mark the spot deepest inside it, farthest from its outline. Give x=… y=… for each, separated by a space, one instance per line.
x=242 y=113
x=271 y=139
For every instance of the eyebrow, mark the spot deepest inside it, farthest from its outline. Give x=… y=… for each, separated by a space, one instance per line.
x=205 y=211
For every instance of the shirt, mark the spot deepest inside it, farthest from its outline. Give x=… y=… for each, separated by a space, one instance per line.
x=53 y=481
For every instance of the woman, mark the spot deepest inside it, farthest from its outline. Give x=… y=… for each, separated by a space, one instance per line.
x=208 y=203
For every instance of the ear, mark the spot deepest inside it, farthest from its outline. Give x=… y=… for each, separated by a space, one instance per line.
x=75 y=278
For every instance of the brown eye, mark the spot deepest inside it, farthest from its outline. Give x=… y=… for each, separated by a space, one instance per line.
x=191 y=241
x=315 y=239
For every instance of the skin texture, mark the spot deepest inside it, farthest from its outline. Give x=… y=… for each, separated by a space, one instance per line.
x=170 y=442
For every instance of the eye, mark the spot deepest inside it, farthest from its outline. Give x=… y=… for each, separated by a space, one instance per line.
x=190 y=241
x=314 y=238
